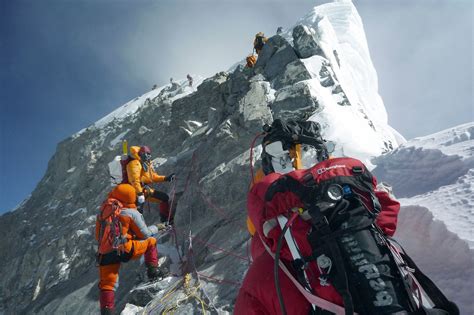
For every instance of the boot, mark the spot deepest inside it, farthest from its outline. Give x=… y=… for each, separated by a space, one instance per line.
x=107 y=302
x=164 y=213
x=153 y=273
x=106 y=311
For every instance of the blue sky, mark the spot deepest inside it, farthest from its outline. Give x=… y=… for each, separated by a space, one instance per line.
x=65 y=64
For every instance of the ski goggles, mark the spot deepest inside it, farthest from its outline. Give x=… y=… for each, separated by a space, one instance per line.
x=145 y=156
x=281 y=160
x=284 y=161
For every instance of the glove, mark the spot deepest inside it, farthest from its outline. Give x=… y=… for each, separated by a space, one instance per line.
x=170 y=177
x=162 y=226
x=147 y=190
x=141 y=199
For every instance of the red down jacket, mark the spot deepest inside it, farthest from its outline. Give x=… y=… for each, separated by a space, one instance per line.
x=258 y=294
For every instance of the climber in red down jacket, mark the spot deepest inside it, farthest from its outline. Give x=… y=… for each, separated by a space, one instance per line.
x=258 y=294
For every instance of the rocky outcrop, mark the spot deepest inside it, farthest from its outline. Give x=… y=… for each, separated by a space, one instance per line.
x=305 y=44
x=280 y=64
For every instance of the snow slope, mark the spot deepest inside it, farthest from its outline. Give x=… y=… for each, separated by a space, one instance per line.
x=174 y=91
x=341 y=36
x=352 y=113
x=439 y=253
x=436 y=172
x=452 y=204
x=435 y=176
x=453 y=141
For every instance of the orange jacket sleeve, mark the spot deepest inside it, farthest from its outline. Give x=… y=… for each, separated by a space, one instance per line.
x=134 y=170
x=155 y=177
x=257 y=178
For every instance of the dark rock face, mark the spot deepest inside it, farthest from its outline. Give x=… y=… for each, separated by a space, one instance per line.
x=294 y=102
x=273 y=45
x=204 y=138
x=280 y=64
x=305 y=45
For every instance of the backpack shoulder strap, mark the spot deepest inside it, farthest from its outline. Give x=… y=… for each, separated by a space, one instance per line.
x=109 y=208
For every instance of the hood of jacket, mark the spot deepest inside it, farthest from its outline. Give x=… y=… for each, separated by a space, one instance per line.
x=134 y=152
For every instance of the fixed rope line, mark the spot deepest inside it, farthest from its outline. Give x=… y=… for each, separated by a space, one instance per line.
x=207 y=244
x=198 y=275
x=238 y=284
x=173 y=193
x=218 y=209
x=173 y=290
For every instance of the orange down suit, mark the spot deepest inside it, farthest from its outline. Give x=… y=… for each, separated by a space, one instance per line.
x=142 y=173
x=139 y=174
x=140 y=240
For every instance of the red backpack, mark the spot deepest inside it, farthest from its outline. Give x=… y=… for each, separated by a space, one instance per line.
x=123 y=163
x=110 y=228
x=370 y=271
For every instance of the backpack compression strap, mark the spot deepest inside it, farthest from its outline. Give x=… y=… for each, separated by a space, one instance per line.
x=434 y=293
x=311 y=298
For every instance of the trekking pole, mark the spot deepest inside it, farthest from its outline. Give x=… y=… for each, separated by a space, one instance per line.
x=294 y=250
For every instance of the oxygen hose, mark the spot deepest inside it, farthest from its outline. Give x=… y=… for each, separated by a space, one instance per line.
x=276 y=269
x=340 y=207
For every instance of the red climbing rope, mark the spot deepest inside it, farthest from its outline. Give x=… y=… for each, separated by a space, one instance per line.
x=218 y=209
x=207 y=244
x=213 y=246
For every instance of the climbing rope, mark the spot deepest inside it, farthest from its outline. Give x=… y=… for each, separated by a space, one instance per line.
x=193 y=291
x=172 y=194
x=213 y=246
x=210 y=245
x=190 y=291
x=237 y=284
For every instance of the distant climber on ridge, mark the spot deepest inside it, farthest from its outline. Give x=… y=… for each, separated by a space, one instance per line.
x=190 y=80
x=141 y=174
x=251 y=60
x=122 y=235
x=259 y=42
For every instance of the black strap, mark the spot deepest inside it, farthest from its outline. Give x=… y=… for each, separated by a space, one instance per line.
x=289 y=184
x=115 y=258
x=340 y=281
x=434 y=293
